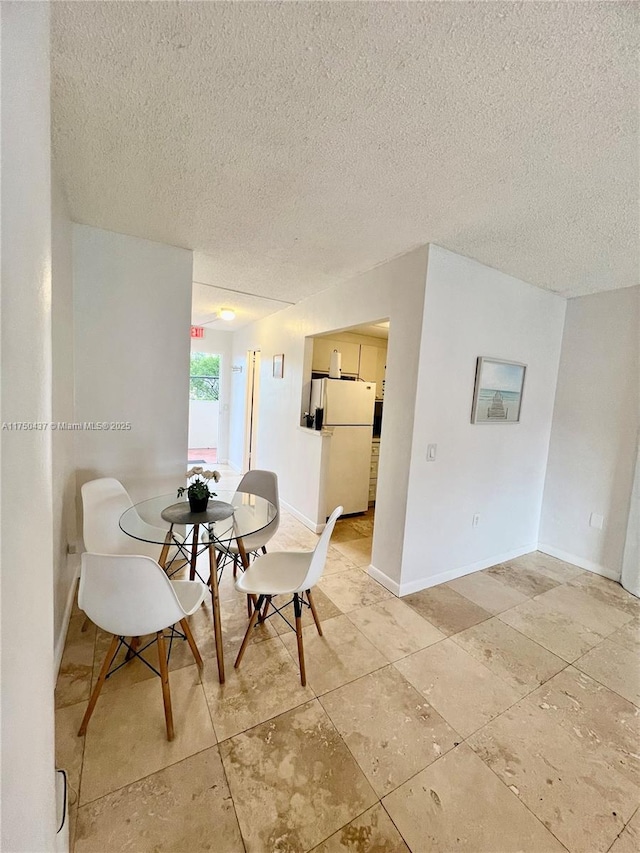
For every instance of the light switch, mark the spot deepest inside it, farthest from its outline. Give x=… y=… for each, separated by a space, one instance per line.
x=596 y=521
x=431 y=452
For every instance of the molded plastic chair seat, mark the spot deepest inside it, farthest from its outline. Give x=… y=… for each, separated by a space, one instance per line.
x=131 y=596
x=286 y=573
x=264 y=484
x=281 y=573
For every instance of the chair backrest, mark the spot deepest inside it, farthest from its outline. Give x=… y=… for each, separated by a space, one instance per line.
x=265 y=484
x=103 y=502
x=127 y=595
x=316 y=566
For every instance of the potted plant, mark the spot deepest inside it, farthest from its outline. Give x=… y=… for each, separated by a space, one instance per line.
x=198 y=491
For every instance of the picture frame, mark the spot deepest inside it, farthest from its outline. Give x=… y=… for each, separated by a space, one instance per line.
x=497 y=394
x=278 y=366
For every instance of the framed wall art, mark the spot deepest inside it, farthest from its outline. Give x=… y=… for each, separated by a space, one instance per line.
x=497 y=396
x=278 y=366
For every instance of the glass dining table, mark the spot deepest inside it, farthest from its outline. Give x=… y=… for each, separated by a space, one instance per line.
x=229 y=518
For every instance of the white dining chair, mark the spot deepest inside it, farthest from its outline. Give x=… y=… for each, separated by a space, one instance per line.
x=265 y=485
x=130 y=596
x=286 y=573
x=103 y=502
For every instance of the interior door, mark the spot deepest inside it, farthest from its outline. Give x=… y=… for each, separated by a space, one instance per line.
x=251 y=409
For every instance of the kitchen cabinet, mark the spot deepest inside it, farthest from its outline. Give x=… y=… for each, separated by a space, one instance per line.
x=366 y=362
x=322 y=349
x=369 y=364
x=373 y=471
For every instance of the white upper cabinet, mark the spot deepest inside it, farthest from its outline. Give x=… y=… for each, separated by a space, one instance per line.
x=322 y=349
x=366 y=362
x=369 y=363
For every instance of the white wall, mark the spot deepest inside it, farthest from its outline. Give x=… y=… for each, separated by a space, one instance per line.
x=203 y=423
x=496 y=470
x=220 y=343
x=394 y=290
x=64 y=475
x=27 y=747
x=595 y=428
x=132 y=301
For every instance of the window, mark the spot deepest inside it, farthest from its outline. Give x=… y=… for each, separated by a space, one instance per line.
x=204 y=376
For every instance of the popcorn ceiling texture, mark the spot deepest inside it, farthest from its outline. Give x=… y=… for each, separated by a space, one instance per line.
x=296 y=144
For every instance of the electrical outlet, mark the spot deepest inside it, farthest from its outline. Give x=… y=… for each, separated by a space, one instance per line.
x=476 y=520
x=596 y=521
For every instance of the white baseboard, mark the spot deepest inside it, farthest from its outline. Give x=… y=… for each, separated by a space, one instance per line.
x=580 y=562
x=316 y=528
x=385 y=580
x=62 y=636
x=233 y=467
x=452 y=574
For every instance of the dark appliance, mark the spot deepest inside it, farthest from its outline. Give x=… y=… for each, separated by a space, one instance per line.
x=377 y=418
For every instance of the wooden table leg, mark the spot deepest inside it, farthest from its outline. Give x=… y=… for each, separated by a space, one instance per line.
x=162 y=560
x=194 y=551
x=251 y=599
x=215 y=603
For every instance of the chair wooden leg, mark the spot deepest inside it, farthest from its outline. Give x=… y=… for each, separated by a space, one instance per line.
x=85 y=624
x=192 y=643
x=265 y=610
x=264 y=549
x=252 y=622
x=135 y=645
x=242 y=553
x=314 y=612
x=297 y=607
x=164 y=677
x=99 y=684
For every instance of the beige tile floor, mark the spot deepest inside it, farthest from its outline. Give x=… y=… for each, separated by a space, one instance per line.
x=496 y=713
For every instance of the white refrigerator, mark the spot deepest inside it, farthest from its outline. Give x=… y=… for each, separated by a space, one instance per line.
x=348 y=412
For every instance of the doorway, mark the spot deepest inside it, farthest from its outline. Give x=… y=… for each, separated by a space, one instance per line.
x=204 y=408
x=251 y=409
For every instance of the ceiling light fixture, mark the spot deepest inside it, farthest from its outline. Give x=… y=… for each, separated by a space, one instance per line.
x=227 y=314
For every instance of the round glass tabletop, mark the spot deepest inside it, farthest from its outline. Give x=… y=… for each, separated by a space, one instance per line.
x=229 y=515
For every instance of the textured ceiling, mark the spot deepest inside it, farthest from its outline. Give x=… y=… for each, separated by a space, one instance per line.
x=212 y=292
x=299 y=143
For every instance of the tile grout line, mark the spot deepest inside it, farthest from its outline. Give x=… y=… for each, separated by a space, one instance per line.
x=623 y=829
x=533 y=598
x=318 y=697
x=517 y=796
x=606 y=686
x=231 y=797
x=522 y=699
